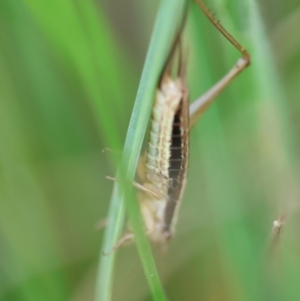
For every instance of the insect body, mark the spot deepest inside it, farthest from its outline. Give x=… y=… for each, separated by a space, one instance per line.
x=163 y=170
x=167 y=158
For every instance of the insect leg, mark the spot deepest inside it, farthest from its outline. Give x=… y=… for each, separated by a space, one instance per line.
x=202 y=103
x=126 y=238
x=101 y=224
x=198 y=107
x=276 y=233
x=154 y=194
x=140 y=187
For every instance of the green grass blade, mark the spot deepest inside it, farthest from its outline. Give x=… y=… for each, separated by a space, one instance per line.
x=46 y=114
x=281 y=162
x=232 y=238
x=269 y=85
x=169 y=15
x=259 y=95
x=84 y=41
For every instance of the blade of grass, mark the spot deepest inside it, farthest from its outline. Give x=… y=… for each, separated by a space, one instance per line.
x=76 y=43
x=282 y=159
x=240 y=241
x=269 y=84
x=169 y=15
x=232 y=238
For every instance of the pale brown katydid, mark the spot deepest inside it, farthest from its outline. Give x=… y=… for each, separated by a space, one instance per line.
x=163 y=169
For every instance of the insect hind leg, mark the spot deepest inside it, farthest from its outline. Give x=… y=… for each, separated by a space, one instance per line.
x=198 y=107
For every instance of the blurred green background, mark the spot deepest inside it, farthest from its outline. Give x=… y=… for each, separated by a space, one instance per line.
x=69 y=71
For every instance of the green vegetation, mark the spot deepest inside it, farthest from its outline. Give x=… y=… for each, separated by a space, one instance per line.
x=71 y=75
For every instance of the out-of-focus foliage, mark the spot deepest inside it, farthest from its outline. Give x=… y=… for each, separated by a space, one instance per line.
x=69 y=73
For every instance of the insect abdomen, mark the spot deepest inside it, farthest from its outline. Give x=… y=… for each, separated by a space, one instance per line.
x=167 y=155
x=178 y=162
